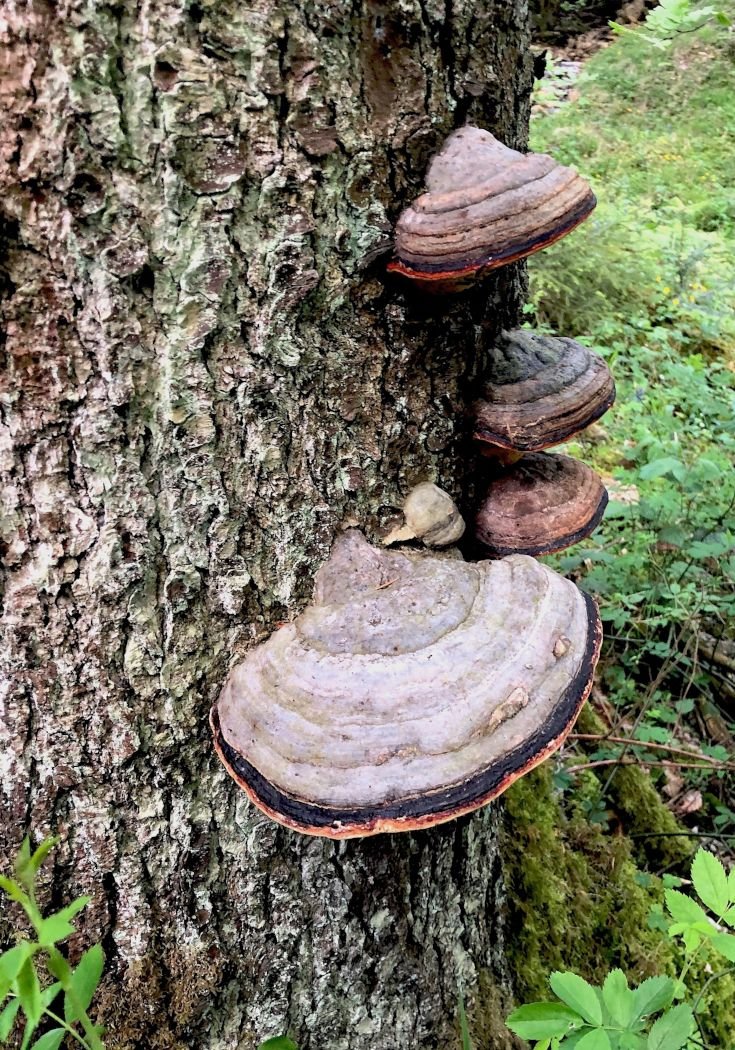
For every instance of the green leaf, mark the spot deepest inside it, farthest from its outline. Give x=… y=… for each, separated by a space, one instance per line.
x=729 y=916
x=692 y=933
x=710 y=881
x=656 y=919
x=28 y=1034
x=671 y=882
x=50 y=1040
x=631 y=1041
x=724 y=943
x=84 y=981
x=618 y=998
x=543 y=1020
x=683 y=908
x=577 y=993
x=597 y=1039
x=49 y=993
x=7 y=1018
x=278 y=1042
x=21 y=864
x=56 y=927
x=572 y=1041
x=666 y=465
x=13 y=890
x=10 y=963
x=28 y=991
x=672 y=1030
x=39 y=856
x=698 y=930
x=58 y=966
x=652 y=995
x=463 y=1026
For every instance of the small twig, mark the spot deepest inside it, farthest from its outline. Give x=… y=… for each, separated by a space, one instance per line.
x=705 y=986
x=636 y=762
x=644 y=743
x=388 y=583
x=680 y=835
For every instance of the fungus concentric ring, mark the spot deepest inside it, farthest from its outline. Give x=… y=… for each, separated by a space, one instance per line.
x=414 y=689
x=486 y=206
x=539 y=391
x=542 y=504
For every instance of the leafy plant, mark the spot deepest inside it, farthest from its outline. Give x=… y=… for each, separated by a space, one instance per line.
x=278 y=1042
x=616 y=1016
x=26 y=986
x=672 y=17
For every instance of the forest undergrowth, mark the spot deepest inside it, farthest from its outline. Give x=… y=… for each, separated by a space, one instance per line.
x=649 y=283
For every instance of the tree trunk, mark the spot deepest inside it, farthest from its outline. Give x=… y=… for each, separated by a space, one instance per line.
x=206 y=376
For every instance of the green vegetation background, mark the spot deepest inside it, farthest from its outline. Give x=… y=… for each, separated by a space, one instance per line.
x=649 y=283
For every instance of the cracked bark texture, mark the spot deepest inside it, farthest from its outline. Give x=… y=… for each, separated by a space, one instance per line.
x=206 y=375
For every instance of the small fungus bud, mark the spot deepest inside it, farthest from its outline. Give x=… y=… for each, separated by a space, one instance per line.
x=561 y=647
x=431 y=516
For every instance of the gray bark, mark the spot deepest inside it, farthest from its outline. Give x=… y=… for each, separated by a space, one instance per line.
x=205 y=376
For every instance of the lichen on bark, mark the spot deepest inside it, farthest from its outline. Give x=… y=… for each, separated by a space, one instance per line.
x=205 y=376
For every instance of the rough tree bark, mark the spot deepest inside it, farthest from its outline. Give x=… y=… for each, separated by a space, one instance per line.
x=205 y=376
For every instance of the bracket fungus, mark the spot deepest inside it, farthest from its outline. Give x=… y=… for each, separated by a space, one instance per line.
x=486 y=205
x=431 y=516
x=542 y=504
x=540 y=391
x=413 y=689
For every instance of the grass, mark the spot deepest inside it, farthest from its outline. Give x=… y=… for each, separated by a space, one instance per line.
x=655 y=133
x=656 y=127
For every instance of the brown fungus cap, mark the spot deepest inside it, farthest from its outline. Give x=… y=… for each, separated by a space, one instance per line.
x=413 y=689
x=486 y=205
x=539 y=391
x=542 y=504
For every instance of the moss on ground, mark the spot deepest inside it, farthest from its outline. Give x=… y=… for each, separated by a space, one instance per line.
x=573 y=899
x=580 y=895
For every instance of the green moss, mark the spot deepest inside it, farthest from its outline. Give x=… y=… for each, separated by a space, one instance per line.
x=639 y=811
x=486 y=1018
x=157 y=999
x=573 y=900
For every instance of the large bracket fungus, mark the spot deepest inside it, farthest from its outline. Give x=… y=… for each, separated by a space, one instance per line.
x=486 y=205
x=542 y=504
x=414 y=689
x=540 y=391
